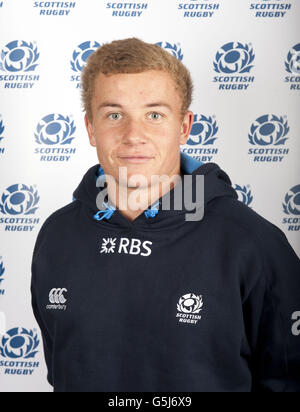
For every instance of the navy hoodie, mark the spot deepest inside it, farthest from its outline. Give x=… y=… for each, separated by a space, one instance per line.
x=164 y=304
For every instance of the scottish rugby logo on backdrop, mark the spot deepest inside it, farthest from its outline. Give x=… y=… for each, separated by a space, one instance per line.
x=270 y=8
x=2 y=272
x=54 y=8
x=201 y=142
x=291 y=207
x=244 y=194
x=18 y=60
x=54 y=135
x=292 y=66
x=200 y=9
x=233 y=62
x=18 y=349
x=17 y=203
x=269 y=134
x=79 y=59
x=173 y=49
x=130 y=8
x=2 y=129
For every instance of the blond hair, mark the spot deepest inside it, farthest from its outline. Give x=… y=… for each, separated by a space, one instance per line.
x=134 y=56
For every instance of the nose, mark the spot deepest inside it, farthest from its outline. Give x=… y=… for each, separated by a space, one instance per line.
x=133 y=133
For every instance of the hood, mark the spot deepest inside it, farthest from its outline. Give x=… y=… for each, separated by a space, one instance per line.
x=216 y=184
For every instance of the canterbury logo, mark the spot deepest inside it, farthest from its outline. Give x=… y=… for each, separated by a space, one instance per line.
x=57 y=296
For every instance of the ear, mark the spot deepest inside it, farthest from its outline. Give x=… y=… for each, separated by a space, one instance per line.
x=186 y=127
x=90 y=130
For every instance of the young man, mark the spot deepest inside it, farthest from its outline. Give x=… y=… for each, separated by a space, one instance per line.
x=143 y=298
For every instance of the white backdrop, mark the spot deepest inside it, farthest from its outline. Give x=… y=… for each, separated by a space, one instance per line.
x=252 y=47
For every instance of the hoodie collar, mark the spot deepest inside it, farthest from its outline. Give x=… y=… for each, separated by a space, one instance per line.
x=216 y=181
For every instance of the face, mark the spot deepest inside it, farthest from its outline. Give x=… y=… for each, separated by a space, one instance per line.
x=137 y=124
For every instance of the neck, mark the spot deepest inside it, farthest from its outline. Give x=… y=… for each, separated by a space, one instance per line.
x=132 y=202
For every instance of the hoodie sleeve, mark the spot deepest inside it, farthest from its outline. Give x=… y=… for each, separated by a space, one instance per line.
x=272 y=314
x=36 y=272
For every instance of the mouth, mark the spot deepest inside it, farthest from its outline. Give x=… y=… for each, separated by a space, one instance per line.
x=135 y=159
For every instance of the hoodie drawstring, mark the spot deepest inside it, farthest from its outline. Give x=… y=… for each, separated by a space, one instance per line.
x=153 y=211
x=107 y=213
x=110 y=210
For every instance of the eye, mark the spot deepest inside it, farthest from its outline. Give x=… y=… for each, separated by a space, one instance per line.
x=114 y=116
x=156 y=116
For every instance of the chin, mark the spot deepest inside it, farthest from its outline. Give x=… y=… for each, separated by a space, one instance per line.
x=137 y=183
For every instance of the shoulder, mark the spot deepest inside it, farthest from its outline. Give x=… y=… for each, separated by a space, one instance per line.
x=54 y=226
x=257 y=236
x=62 y=213
x=241 y=217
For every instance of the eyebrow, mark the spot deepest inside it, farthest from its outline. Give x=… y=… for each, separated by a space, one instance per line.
x=110 y=104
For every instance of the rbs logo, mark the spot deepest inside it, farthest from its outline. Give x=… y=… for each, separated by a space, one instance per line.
x=126 y=246
x=296 y=325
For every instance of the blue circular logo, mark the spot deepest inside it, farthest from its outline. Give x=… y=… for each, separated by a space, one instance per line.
x=292 y=201
x=174 y=50
x=82 y=53
x=19 y=343
x=2 y=270
x=55 y=129
x=19 y=56
x=203 y=131
x=292 y=63
x=244 y=194
x=18 y=200
x=2 y=128
x=234 y=58
x=269 y=130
